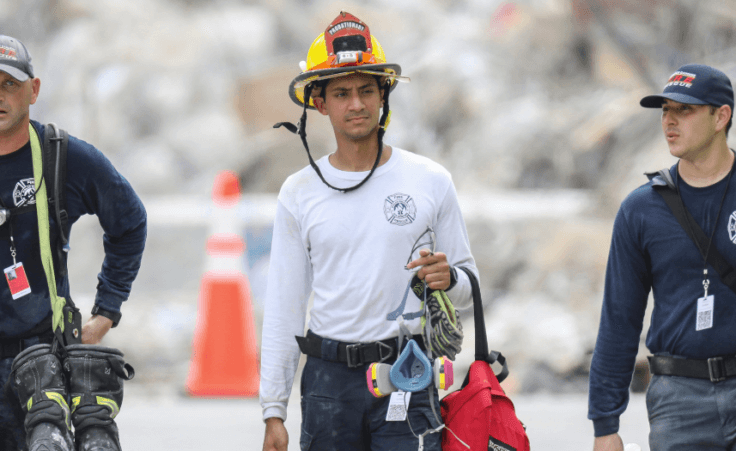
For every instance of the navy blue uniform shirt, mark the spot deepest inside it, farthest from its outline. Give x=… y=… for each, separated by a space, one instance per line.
x=93 y=186
x=651 y=251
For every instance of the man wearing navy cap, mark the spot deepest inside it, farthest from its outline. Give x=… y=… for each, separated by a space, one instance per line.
x=691 y=399
x=42 y=403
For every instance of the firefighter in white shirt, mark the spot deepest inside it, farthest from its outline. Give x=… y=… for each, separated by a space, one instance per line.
x=344 y=228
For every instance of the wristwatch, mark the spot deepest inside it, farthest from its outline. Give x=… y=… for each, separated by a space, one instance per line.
x=453 y=278
x=113 y=316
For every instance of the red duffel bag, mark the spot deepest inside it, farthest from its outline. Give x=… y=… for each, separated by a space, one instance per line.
x=480 y=414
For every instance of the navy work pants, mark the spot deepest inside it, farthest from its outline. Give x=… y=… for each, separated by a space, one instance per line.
x=340 y=414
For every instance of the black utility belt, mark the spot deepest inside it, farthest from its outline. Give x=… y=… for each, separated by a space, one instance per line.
x=353 y=354
x=715 y=369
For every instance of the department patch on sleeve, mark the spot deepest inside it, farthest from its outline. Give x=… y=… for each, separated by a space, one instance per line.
x=400 y=209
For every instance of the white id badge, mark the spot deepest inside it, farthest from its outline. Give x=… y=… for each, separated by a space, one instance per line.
x=397 y=406
x=17 y=280
x=705 y=313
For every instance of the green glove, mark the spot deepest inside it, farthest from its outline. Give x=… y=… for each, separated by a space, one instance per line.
x=445 y=336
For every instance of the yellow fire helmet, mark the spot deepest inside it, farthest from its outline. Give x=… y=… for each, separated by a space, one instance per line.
x=346 y=46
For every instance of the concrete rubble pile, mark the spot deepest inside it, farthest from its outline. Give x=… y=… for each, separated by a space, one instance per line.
x=534 y=97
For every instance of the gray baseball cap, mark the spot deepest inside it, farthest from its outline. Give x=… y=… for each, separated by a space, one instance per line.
x=15 y=59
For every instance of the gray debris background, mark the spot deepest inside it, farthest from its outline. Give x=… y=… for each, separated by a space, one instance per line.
x=531 y=104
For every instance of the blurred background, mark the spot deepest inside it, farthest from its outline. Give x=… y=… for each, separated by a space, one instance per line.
x=532 y=105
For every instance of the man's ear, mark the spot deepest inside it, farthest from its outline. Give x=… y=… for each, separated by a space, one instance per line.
x=723 y=116
x=35 y=89
x=319 y=103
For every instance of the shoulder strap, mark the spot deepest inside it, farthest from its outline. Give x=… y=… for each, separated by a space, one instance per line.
x=42 y=213
x=715 y=259
x=55 y=144
x=481 y=339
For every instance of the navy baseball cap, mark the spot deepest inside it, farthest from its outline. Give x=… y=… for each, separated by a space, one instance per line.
x=694 y=84
x=15 y=59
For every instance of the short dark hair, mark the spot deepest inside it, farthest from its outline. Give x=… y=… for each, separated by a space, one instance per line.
x=318 y=90
x=713 y=110
x=321 y=85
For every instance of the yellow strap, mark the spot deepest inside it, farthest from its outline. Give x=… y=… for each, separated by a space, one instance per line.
x=42 y=212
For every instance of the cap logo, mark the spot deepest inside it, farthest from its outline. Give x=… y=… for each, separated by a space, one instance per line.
x=344 y=25
x=680 y=78
x=8 y=53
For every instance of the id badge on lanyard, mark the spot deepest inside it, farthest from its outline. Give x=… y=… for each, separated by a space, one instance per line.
x=704 y=316
x=15 y=275
x=17 y=280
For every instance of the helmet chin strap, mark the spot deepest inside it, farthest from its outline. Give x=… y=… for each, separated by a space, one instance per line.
x=301 y=130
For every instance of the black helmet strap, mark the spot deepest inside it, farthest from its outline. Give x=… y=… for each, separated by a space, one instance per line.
x=301 y=130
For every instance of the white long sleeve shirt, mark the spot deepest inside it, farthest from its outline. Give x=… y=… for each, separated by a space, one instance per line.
x=350 y=249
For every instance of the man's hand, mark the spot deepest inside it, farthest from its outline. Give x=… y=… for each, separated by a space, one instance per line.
x=277 y=439
x=435 y=269
x=94 y=329
x=611 y=442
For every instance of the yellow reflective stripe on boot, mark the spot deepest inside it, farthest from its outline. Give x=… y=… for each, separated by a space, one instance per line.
x=110 y=404
x=75 y=402
x=42 y=213
x=52 y=395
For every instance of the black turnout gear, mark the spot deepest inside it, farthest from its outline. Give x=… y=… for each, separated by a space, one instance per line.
x=96 y=376
x=38 y=379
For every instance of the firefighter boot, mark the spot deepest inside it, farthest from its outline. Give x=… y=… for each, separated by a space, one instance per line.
x=96 y=375
x=37 y=376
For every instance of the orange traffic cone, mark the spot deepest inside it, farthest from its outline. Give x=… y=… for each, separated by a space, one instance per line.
x=224 y=352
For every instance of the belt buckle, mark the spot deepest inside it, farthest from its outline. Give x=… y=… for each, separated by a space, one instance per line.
x=353 y=355
x=716 y=369
x=381 y=347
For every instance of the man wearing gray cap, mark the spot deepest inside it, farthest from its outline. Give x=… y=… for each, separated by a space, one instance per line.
x=691 y=399
x=54 y=376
